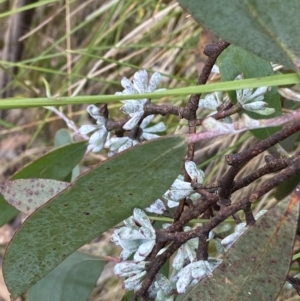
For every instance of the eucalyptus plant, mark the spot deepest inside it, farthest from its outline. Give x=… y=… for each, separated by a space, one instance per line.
x=180 y=234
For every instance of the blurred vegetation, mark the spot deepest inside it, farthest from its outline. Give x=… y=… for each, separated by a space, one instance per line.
x=85 y=48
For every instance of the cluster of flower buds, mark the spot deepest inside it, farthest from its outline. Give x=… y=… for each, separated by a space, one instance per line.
x=249 y=99
x=179 y=190
x=133 y=108
x=137 y=238
x=100 y=133
x=139 y=85
x=253 y=100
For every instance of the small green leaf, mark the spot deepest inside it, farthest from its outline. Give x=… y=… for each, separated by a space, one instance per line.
x=7 y=212
x=234 y=61
x=268 y=28
x=96 y=201
x=73 y=279
x=63 y=137
x=28 y=195
x=56 y=165
x=285 y=188
x=255 y=268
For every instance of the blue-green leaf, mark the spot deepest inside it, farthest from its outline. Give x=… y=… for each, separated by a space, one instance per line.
x=256 y=266
x=63 y=137
x=56 y=164
x=28 y=195
x=234 y=61
x=73 y=279
x=268 y=28
x=96 y=201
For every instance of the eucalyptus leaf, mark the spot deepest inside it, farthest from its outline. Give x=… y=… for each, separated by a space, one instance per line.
x=28 y=195
x=56 y=164
x=234 y=61
x=7 y=212
x=268 y=28
x=255 y=268
x=285 y=188
x=73 y=279
x=96 y=201
x=63 y=137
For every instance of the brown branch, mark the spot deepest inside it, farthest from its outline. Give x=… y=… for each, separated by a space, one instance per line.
x=212 y=52
x=250 y=220
x=202 y=250
x=273 y=165
x=163 y=110
x=226 y=184
x=189 y=112
x=180 y=238
x=237 y=161
x=288 y=173
x=295 y=282
x=207 y=201
x=149 y=109
x=247 y=155
x=154 y=267
x=222 y=113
